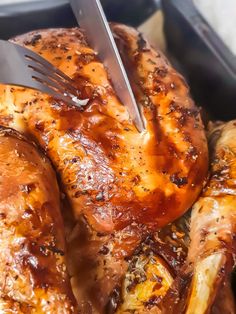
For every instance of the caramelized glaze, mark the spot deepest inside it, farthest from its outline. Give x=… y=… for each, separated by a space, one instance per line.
x=33 y=277
x=121 y=184
x=203 y=284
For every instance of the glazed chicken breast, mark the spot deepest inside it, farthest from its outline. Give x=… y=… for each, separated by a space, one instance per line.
x=121 y=184
x=203 y=286
x=33 y=277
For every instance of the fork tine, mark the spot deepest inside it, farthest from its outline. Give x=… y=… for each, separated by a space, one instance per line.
x=46 y=80
x=53 y=91
x=58 y=91
x=39 y=74
x=67 y=87
x=44 y=64
x=56 y=74
x=37 y=58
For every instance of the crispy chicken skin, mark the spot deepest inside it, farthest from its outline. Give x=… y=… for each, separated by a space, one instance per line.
x=33 y=277
x=212 y=251
x=121 y=184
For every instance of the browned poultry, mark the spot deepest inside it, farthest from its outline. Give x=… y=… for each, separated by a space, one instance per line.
x=120 y=183
x=33 y=277
x=212 y=251
x=153 y=267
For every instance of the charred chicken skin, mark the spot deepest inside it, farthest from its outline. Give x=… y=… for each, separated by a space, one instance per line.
x=33 y=277
x=121 y=184
x=204 y=284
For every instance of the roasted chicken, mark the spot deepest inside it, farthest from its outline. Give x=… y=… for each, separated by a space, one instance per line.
x=203 y=286
x=33 y=277
x=153 y=268
x=121 y=184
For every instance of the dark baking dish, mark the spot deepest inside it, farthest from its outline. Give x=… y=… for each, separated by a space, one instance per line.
x=205 y=61
x=208 y=64
x=20 y=18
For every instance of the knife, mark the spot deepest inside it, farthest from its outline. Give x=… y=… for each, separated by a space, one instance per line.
x=91 y=17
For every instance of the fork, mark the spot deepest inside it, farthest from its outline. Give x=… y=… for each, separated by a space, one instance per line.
x=23 y=67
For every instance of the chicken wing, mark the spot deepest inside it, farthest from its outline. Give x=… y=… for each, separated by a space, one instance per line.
x=33 y=276
x=122 y=184
x=212 y=251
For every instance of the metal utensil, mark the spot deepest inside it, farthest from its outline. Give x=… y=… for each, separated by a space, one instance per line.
x=91 y=18
x=21 y=66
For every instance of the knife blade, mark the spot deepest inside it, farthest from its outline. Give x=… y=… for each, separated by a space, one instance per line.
x=91 y=17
